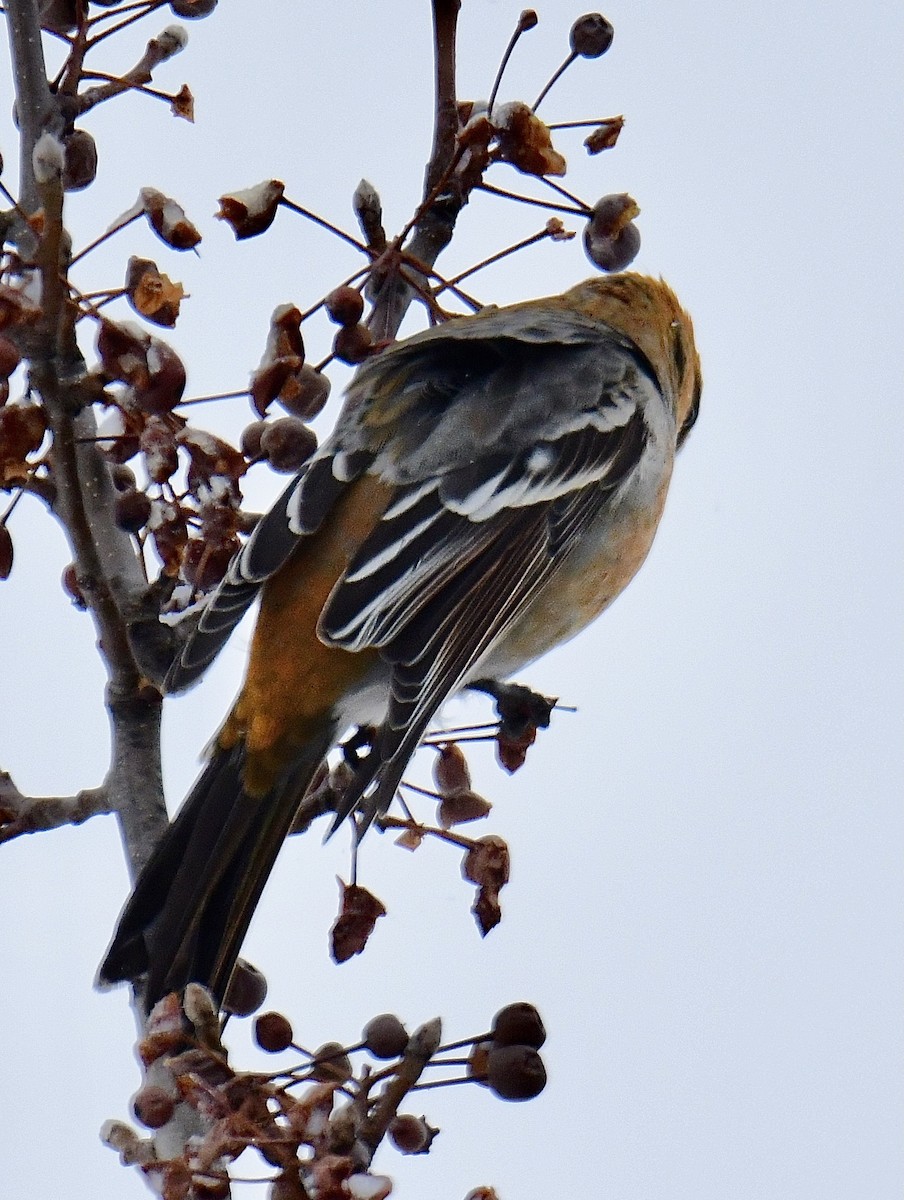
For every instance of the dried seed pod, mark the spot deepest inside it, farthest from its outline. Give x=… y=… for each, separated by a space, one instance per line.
x=525 y=141
x=515 y=1072
x=246 y=990
x=250 y=444
x=385 y=1036
x=252 y=210
x=450 y=770
x=79 y=160
x=287 y=443
x=165 y=383
x=462 y=807
x=353 y=343
x=168 y=220
x=518 y=1024
x=331 y=1064
x=153 y=1106
x=304 y=392
x=410 y=1134
x=193 y=10
x=132 y=510
x=273 y=1032
x=123 y=477
x=152 y=294
x=591 y=35
x=204 y=563
x=344 y=305
x=158 y=444
x=611 y=239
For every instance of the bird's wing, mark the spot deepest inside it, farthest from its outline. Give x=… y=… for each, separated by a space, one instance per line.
x=452 y=413
x=503 y=450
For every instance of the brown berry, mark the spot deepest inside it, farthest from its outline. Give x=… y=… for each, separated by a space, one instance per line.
x=132 y=510
x=385 y=1036
x=153 y=1106
x=450 y=770
x=79 y=160
x=250 y=444
x=273 y=1032
x=410 y=1134
x=287 y=443
x=518 y=1024
x=192 y=10
x=246 y=990
x=123 y=477
x=331 y=1064
x=353 y=343
x=304 y=392
x=611 y=239
x=591 y=35
x=344 y=305
x=515 y=1072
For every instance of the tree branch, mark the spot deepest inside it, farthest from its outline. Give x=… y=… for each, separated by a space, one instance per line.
x=34 y=103
x=440 y=209
x=421 y=1048
x=21 y=814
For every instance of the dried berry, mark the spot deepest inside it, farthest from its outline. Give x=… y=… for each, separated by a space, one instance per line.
x=158 y=444
x=525 y=141
x=410 y=1134
x=164 y=386
x=151 y=293
x=611 y=239
x=353 y=343
x=304 y=392
x=273 y=1032
x=79 y=160
x=515 y=1072
x=450 y=770
x=385 y=1036
x=246 y=991
x=250 y=444
x=344 y=305
x=153 y=1106
x=360 y=912
x=462 y=807
x=287 y=443
x=132 y=510
x=518 y=1024
x=252 y=210
x=168 y=220
x=192 y=10
x=591 y=35
x=204 y=562
x=331 y=1064
x=123 y=477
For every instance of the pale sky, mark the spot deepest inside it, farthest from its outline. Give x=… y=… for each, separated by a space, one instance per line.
x=706 y=893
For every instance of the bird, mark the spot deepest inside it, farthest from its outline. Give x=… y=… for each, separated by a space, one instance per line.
x=491 y=485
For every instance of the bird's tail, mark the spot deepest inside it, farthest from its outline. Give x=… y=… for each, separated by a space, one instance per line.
x=191 y=906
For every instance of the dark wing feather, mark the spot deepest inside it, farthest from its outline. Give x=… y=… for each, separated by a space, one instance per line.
x=299 y=511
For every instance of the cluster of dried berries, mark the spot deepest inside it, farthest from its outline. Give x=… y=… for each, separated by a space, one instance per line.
x=318 y=1123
